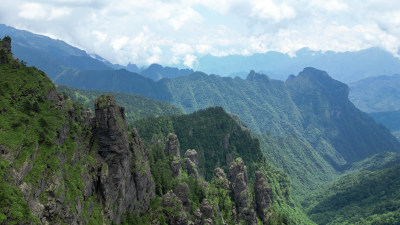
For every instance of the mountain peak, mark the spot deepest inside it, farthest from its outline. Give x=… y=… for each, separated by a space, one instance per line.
x=256 y=76
x=320 y=81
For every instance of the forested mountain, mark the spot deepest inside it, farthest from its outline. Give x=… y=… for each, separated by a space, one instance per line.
x=309 y=114
x=344 y=66
x=62 y=164
x=136 y=106
x=157 y=72
x=310 y=110
x=55 y=57
x=361 y=198
x=305 y=126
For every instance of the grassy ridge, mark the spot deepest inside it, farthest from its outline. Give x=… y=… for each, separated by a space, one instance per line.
x=136 y=106
x=361 y=198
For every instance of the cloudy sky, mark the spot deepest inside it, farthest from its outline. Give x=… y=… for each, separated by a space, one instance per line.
x=180 y=31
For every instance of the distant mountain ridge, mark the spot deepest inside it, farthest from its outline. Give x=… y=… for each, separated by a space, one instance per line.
x=344 y=66
x=157 y=72
x=57 y=58
x=49 y=55
x=376 y=94
x=318 y=129
x=311 y=108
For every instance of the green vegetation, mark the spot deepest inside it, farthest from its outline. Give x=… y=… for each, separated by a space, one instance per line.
x=136 y=106
x=30 y=141
x=361 y=198
x=228 y=140
x=193 y=131
x=311 y=111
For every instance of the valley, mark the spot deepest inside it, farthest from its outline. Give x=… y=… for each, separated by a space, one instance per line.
x=162 y=145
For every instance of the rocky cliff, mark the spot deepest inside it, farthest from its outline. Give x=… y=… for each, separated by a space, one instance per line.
x=59 y=164
x=125 y=180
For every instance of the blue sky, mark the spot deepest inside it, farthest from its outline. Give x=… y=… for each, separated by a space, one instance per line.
x=180 y=31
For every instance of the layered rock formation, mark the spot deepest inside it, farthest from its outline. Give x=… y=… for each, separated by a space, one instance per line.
x=238 y=178
x=262 y=196
x=126 y=183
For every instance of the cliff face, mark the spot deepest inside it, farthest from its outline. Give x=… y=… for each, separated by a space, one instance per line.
x=61 y=163
x=125 y=182
x=238 y=177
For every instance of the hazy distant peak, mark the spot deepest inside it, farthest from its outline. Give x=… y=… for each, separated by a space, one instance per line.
x=256 y=76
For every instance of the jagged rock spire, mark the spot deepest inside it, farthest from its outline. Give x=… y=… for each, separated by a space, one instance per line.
x=172 y=148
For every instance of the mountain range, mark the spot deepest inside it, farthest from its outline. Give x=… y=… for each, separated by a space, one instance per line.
x=344 y=66
x=257 y=130
x=310 y=108
x=62 y=164
x=58 y=58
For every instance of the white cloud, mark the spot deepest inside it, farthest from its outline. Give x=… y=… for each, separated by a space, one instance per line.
x=181 y=49
x=119 y=42
x=189 y=60
x=32 y=11
x=179 y=31
x=270 y=10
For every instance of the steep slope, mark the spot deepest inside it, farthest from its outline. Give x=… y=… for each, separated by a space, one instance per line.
x=325 y=106
x=376 y=94
x=52 y=56
x=343 y=66
x=362 y=198
x=217 y=152
x=311 y=109
x=136 y=106
x=58 y=163
x=114 y=80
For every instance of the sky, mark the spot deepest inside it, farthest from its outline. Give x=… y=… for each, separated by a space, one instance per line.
x=179 y=32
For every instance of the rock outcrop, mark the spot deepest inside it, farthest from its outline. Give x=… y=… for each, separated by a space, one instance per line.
x=182 y=192
x=191 y=162
x=222 y=181
x=205 y=214
x=5 y=44
x=262 y=196
x=172 y=149
x=238 y=178
x=173 y=210
x=125 y=182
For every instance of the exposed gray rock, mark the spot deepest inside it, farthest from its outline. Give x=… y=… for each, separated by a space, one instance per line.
x=173 y=210
x=56 y=98
x=238 y=178
x=6 y=44
x=172 y=149
x=222 y=181
x=192 y=155
x=191 y=163
x=140 y=166
x=262 y=196
x=125 y=180
x=206 y=209
x=205 y=214
x=182 y=192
